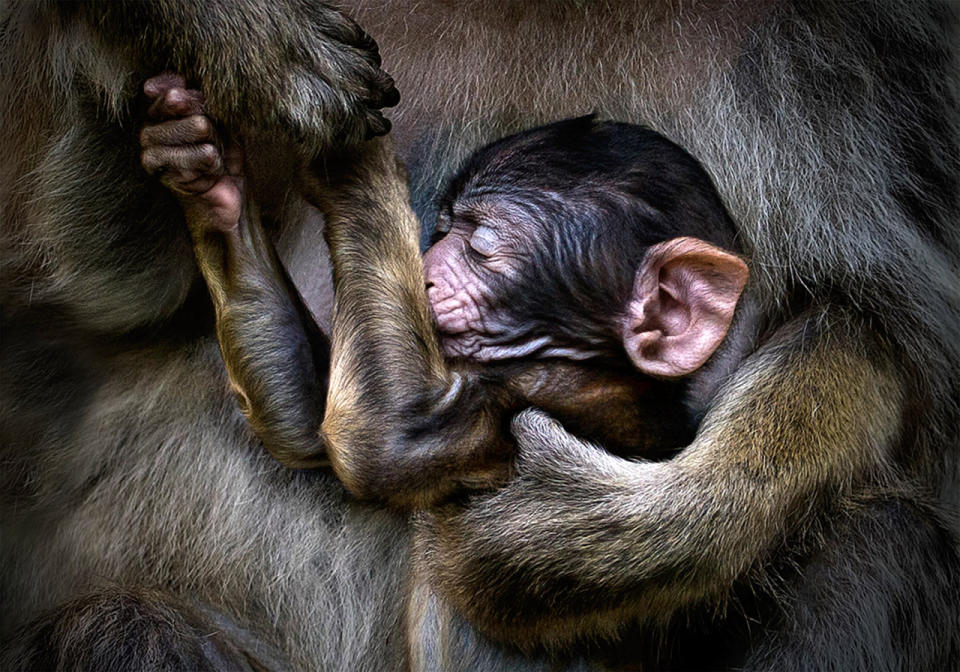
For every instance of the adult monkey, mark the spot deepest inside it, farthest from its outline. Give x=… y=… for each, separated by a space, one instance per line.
x=832 y=130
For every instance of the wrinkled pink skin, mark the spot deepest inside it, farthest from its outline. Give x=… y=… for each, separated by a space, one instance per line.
x=458 y=297
x=461 y=282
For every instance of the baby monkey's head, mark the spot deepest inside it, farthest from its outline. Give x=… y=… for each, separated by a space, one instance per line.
x=581 y=240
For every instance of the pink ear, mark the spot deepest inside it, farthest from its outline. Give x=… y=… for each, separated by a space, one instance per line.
x=684 y=295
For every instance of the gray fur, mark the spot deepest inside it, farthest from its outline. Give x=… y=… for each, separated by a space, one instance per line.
x=831 y=128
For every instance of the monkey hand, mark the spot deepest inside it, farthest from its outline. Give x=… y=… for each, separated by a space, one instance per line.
x=181 y=146
x=554 y=472
x=338 y=85
x=548 y=456
x=313 y=76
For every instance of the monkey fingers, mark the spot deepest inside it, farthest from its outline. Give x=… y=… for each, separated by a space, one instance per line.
x=371 y=85
x=171 y=97
x=188 y=130
x=184 y=169
x=184 y=152
x=183 y=146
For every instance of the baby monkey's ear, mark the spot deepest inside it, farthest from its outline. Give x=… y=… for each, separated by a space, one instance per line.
x=683 y=298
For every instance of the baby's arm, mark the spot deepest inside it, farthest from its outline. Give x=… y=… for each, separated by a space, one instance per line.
x=401 y=426
x=276 y=357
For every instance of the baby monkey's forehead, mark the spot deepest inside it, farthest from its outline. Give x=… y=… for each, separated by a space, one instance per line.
x=522 y=223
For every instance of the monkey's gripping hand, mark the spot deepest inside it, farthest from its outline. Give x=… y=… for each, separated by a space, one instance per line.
x=275 y=355
x=181 y=146
x=299 y=69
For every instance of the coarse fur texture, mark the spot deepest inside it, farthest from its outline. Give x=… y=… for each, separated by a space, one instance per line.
x=831 y=130
x=590 y=205
x=822 y=237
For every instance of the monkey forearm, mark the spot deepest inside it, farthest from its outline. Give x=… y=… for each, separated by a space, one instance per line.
x=382 y=324
x=399 y=424
x=276 y=357
x=603 y=530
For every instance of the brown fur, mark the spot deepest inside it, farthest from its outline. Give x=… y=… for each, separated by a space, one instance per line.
x=832 y=131
x=757 y=104
x=401 y=424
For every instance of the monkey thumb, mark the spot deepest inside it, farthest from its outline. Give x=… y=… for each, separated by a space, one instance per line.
x=543 y=445
x=533 y=425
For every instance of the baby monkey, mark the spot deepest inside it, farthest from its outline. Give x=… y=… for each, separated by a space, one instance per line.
x=587 y=268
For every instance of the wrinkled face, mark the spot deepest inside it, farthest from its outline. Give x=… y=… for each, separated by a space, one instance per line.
x=469 y=272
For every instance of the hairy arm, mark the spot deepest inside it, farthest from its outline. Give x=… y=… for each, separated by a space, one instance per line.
x=581 y=542
x=399 y=424
x=276 y=356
